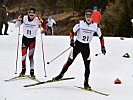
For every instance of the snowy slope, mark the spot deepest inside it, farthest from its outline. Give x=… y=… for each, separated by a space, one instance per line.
x=104 y=70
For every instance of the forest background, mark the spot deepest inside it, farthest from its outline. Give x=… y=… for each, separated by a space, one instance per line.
x=116 y=14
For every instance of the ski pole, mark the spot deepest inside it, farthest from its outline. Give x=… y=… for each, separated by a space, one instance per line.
x=98 y=54
x=42 y=51
x=17 y=52
x=58 y=56
x=43 y=54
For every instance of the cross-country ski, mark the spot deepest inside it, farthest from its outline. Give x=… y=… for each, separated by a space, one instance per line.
x=49 y=81
x=21 y=78
x=93 y=91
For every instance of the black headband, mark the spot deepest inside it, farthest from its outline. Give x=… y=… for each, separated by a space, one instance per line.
x=88 y=13
x=32 y=10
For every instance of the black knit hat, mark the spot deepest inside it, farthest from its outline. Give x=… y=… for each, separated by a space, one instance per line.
x=32 y=10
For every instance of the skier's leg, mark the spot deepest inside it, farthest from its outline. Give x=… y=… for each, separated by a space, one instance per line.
x=74 y=52
x=87 y=73
x=31 y=54
x=86 y=57
x=24 y=54
x=66 y=65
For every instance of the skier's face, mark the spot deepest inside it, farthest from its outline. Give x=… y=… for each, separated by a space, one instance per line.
x=31 y=15
x=88 y=18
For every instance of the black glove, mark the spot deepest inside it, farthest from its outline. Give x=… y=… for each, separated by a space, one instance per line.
x=103 y=50
x=72 y=43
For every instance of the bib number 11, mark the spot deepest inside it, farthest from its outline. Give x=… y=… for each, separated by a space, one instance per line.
x=29 y=32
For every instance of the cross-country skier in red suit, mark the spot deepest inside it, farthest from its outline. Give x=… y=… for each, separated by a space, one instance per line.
x=85 y=30
x=31 y=24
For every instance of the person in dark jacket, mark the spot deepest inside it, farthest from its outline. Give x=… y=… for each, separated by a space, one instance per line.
x=3 y=19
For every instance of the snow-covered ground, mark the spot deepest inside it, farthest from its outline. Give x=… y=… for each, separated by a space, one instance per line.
x=104 y=70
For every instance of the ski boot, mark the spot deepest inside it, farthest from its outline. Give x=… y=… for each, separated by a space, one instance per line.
x=22 y=74
x=6 y=34
x=32 y=73
x=58 y=77
x=1 y=33
x=86 y=85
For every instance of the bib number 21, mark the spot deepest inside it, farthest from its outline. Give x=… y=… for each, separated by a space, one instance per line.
x=85 y=38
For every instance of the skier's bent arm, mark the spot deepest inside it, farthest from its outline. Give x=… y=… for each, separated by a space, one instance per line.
x=100 y=36
x=103 y=50
x=102 y=41
x=19 y=21
x=74 y=30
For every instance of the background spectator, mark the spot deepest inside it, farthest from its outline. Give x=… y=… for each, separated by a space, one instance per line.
x=50 y=23
x=96 y=15
x=3 y=19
